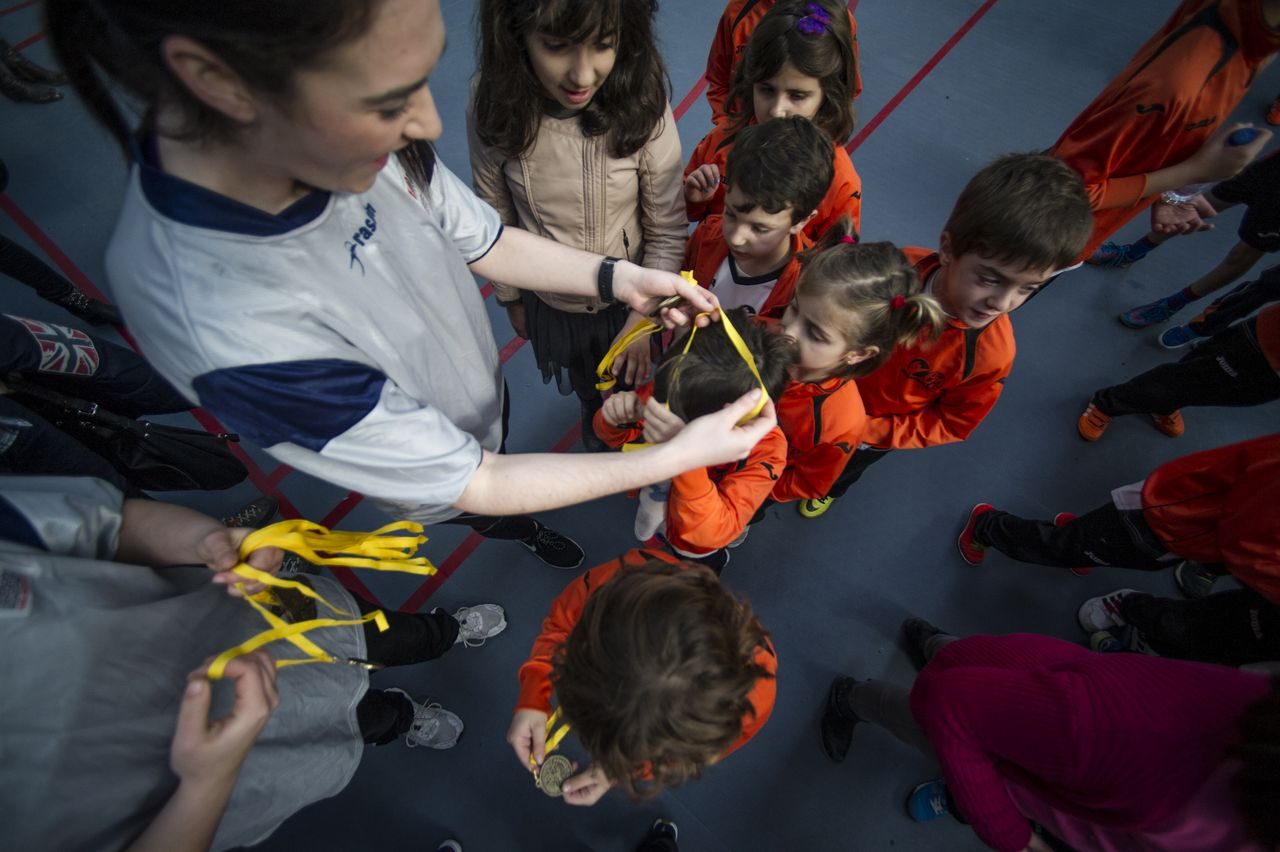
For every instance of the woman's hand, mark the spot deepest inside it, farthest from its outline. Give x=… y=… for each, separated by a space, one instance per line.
x=220 y=552
x=644 y=290
x=586 y=788
x=717 y=439
x=207 y=753
x=528 y=737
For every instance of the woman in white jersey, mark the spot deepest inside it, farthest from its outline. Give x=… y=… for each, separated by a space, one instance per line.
x=279 y=265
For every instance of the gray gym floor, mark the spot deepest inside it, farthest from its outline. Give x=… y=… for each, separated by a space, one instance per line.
x=948 y=85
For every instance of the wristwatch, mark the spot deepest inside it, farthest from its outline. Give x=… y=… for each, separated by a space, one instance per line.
x=604 y=279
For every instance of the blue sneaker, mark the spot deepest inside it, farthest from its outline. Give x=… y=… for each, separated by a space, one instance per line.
x=1145 y=315
x=1113 y=255
x=928 y=801
x=1178 y=336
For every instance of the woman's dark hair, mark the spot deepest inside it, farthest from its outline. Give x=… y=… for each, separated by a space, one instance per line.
x=817 y=45
x=104 y=42
x=712 y=374
x=509 y=99
x=657 y=674
x=1257 y=785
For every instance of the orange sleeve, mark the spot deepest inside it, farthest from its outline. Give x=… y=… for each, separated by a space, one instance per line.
x=720 y=60
x=762 y=697
x=844 y=197
x=706 y=151
x=1249 y=536
x=566 y=609
x=811 y=473
x=949 y=418
x=703 y=516
x=623 y=433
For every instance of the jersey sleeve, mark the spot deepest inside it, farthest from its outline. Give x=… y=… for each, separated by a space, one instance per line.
x=811 y=472
x=69 y=516
x=720 y=61
x=661 y=199
x=346 y=423
x=472 y=225
x=491 y=186
x=704 y=515
x=703 y=153
x=762 y=698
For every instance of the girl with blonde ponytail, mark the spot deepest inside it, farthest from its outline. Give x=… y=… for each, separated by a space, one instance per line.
x=854 y=304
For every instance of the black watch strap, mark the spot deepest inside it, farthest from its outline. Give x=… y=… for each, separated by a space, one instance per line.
x=604 y=279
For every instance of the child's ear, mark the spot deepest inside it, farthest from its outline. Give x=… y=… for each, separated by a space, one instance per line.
x=800 y=226
x=857 y=356
x=944 y=248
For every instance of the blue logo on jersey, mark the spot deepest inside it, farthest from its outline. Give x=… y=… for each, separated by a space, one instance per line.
x=362 y=236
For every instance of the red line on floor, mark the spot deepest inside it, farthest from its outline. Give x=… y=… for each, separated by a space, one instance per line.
x=512 y=347
x=277 y=475
x=28 y=41
x=924 y=71
x=18 y=7
x=486 y=290
x=689 y=99
x=443 y=571
x=342 y=509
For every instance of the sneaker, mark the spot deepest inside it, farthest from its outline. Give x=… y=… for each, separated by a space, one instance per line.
x=1061 y=520
x=1103 y=613
x=737 y=542
x=663 y=829
x=916 y=633
x=1169 y=424
x=838 y=722
x=1195 y=580
x=1177 y=337
x=1093 y=423
x=1273 y=114
x=293 y=565
x=1147 y=315
x=971 y=549
x=254 y=514
x=814 y=508
x=558 y=551
x=928 y=801
x=478 y=623
x=449 y=845
x=1106 y=642
x=433 y=726
x=1113 y=255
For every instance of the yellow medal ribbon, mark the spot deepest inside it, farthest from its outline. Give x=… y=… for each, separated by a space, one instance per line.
x=553 y=740
x=648 y=326
x=378 y=551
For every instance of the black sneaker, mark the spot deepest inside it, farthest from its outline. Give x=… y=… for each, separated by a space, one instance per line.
x=916 y=633
x=1195 y=580
x=558 y=551
x=253 y=514
x=664 y=829
x=838 y=721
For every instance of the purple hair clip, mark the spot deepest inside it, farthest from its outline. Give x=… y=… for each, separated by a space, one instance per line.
x=814 y=23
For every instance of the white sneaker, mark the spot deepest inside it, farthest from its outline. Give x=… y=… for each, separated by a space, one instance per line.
x=1103 y=613
x=478 y=623
x=746 y=531
x=433 y=726
x=651 y=510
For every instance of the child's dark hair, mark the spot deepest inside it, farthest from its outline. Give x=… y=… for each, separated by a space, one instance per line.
x=874 y=294
x=509 y=99
x=657 y=674
x=1029 y=209
x=712 y=374
x=1257 y=785
x=265 y=44
x=782 y=163
x=815 y=37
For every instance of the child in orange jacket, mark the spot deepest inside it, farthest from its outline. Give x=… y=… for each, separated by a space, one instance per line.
x=1016 y=222
x=777 y=174
x=650 y=712
x=854 y=303
x=736 y=25
x=799 y=61
x=705 y=511
x=1152 y=129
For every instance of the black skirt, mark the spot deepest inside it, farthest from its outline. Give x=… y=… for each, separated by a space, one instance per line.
x=569 y=346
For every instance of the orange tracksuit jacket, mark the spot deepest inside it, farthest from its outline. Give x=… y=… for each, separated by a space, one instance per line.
x=823 y=422
x=844 y=196
x=736 y=25
x=1178 y=88
x=937 y=393
x=708 y=507
x=706 y=250
x=1222 y=506
x=535 y=674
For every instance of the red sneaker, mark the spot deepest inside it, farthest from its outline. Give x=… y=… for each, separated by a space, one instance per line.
x=1273 y=114
x=1170 y=424
x=971 y=549
x=1092 y=423
x=1061 y=520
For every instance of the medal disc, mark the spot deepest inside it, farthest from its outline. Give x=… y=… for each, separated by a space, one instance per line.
x=555 y=770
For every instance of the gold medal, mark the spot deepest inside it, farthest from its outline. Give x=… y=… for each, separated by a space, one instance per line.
x=555 y=770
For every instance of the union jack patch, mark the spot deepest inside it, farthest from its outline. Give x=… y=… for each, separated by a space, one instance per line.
x=62 y=350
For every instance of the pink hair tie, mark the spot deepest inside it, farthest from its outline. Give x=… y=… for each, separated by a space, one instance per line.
x=897 y=303
x=849 y=239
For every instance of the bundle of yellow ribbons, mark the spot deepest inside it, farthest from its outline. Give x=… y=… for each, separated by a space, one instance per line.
x=379 y=550
x=604 y=371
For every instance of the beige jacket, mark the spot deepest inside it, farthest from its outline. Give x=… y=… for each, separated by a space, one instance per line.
x=568 y=188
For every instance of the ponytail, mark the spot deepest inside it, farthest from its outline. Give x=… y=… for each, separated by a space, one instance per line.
x=79 y=35
x=873 y=292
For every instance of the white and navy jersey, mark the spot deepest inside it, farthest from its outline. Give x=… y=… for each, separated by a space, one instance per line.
x=736 y=290
x=344 y=335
